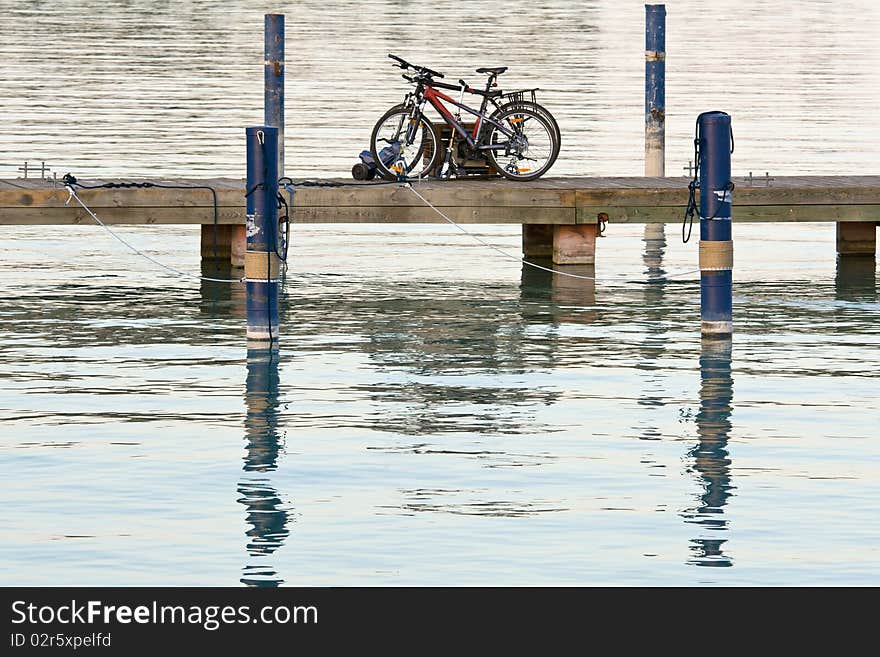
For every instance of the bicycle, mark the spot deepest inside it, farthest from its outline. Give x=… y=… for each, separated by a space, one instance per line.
x=520 y=139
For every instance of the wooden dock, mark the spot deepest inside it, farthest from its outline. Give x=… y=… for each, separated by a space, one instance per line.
x=544 y=207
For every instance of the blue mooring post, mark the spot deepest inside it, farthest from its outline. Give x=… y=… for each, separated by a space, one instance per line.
x=273 y=84
x=716 y=246
x=261 y=261
x=655 y=90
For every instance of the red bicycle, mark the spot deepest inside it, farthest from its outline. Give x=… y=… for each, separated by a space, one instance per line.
x=520 y=139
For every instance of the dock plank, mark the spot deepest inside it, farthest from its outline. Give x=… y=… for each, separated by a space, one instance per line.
x=564 y=200
x=741 y=214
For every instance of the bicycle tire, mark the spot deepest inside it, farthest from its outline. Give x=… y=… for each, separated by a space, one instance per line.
x=541 y=110
x=423 y=163
x=542 y=143
x=538 y=108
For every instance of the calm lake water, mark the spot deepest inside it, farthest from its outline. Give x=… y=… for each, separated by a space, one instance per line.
x=437 y=414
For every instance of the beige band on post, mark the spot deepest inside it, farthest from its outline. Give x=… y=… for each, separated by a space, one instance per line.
x=261 y=265
x=655 y=55
x=716 y=256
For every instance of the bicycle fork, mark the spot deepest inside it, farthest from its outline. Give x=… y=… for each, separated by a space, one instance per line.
x=409 y=137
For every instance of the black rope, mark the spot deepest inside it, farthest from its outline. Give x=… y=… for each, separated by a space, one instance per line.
x=285 y=242
x=334 y=183
x=694 y=185
x=691 y=209
x=69 y=179
x=287 y=181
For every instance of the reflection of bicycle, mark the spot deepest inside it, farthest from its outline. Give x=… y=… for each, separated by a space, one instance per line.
x=519 y=139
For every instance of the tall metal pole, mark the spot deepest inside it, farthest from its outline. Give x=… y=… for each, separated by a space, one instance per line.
x=274 y=80
x=716 y=245
x=261 y=261
x=655 y=90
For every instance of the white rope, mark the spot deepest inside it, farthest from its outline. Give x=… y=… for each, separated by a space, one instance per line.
x=506 y=254
x=141 y=253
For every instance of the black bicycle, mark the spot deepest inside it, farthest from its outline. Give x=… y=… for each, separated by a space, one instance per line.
x=519 y=139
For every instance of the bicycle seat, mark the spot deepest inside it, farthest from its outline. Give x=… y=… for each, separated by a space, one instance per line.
x=498 y=70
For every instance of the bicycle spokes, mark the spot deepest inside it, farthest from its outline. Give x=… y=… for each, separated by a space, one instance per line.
x=413 y=142
x=520 y=139
x=529 y=144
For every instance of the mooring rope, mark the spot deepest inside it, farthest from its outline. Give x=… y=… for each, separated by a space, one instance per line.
x=69 y=179
x=73 y=195
x=408 y=185
x=507 y=254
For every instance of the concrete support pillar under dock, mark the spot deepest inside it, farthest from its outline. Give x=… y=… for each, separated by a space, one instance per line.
x=856 y=238
x=217 y=242
x=567 y=244
x=239 y=245
x=537 y=240
x=224 y=243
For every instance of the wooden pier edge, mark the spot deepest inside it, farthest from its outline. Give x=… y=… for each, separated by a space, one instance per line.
x=853 y=202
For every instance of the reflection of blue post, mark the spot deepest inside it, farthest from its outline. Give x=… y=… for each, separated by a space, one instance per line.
x=267 y=514
x=714 y=426
x=711 y=460
x=655 y=89
x=262 y=419
x=273 y=83
x=261 y=261
x=716 y=246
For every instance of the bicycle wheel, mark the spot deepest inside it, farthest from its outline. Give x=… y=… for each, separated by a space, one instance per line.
x=526 y=148
x=402 y=145
x=540 y=109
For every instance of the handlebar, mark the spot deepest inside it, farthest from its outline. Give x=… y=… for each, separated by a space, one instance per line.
x=403 y=62
x=421 y=69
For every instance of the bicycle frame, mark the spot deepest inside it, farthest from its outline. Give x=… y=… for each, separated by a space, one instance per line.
x=499 y=137
x=432 y=95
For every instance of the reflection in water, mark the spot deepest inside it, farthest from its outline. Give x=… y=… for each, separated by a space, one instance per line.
x=655 y=245
x=266 y=512
x=222 y=299
x=856 y=278
x=472 y=412
x=655 y=309
x=710 y=456
x=472 y=503
x=558 y=297
x=574 y=298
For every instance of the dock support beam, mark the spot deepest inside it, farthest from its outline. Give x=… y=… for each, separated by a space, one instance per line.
x=273 y=83
x=217 y=243
x=567 y=244
x=716 y=244
x=225 y=245
x=655 y=90
x=537 y=240
x=856 y=238
x=574 y=244
x=261 y=262
x=238 y=246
